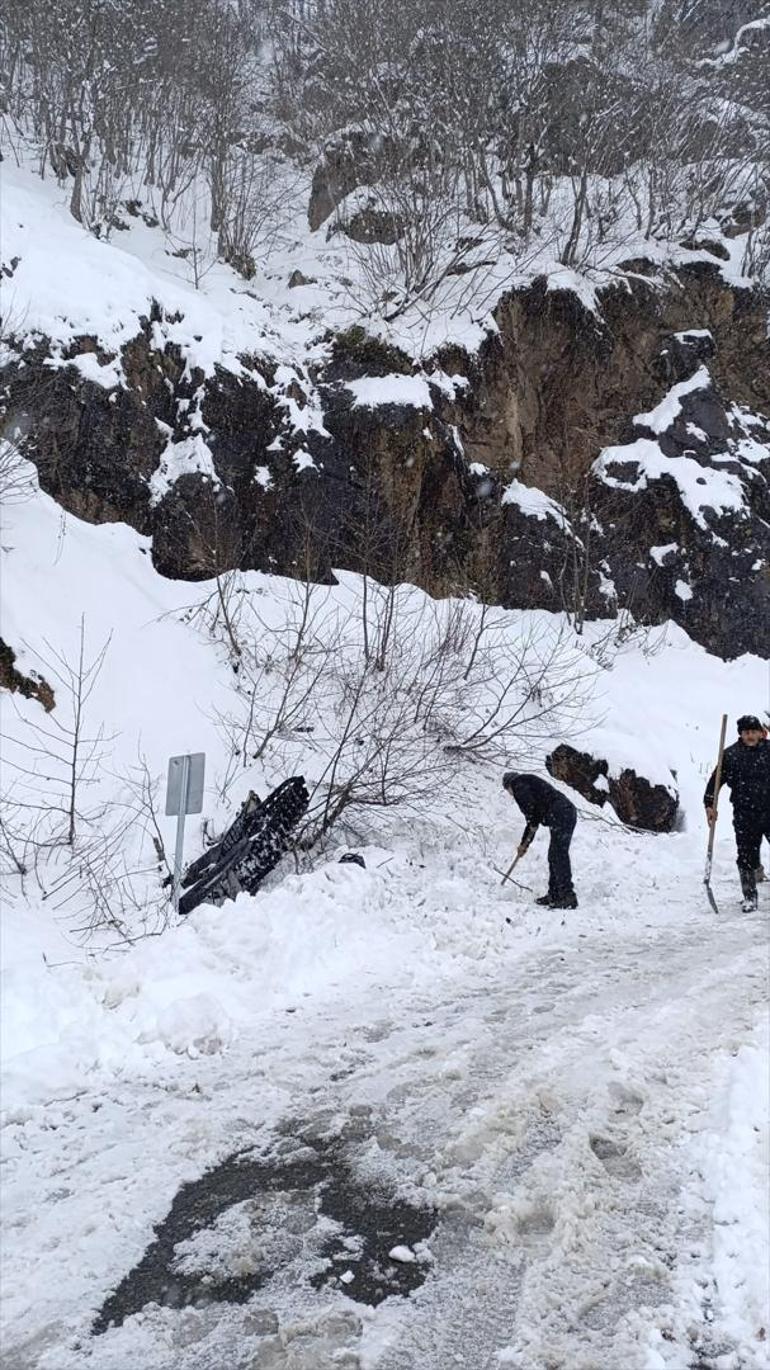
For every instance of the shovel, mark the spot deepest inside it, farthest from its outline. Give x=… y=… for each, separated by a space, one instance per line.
x=512 y=867
x=713 y=826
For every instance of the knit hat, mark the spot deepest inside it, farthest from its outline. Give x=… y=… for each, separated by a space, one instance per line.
x=747 y=722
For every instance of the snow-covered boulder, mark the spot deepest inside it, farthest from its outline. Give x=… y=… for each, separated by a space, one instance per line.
x=639 y=802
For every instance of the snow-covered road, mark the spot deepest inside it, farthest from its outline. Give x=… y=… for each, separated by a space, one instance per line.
x=566 y=1113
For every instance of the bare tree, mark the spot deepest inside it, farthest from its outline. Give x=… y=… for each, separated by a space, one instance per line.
x=482 y=127
x=57 y=762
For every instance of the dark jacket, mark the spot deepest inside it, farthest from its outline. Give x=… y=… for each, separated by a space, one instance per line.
x=540 y=803
x=746 y=774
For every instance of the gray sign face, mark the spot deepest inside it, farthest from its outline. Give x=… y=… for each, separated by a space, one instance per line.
x=184 y=788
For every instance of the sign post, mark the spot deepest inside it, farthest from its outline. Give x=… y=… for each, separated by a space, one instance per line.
x=184 y=794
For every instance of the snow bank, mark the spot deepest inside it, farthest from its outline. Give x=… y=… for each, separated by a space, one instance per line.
x=736 y=1166
x=727 y=1157
x=160 y=680
x=191 y=991
x=659 y=709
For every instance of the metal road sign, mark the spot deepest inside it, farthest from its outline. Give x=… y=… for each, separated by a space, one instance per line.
x=194 y=765
x=184 y=794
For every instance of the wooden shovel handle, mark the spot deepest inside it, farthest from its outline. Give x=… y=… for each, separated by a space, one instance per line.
x=717 y=784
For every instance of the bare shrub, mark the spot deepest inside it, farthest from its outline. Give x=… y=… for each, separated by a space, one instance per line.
x=442 y=685
x=119 y=883
x=95 y=850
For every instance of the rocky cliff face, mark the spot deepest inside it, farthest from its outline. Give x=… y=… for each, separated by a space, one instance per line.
x=593 y=460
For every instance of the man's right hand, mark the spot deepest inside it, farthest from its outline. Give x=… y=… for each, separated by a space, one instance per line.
x=711 y=817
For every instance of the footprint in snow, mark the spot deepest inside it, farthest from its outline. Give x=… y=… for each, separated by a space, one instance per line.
x=614 y=1159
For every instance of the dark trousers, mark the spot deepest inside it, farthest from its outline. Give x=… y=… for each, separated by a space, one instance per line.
x=562 y=826
x=751 y=825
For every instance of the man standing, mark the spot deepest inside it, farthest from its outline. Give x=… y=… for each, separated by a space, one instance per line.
x=542 y=803
x=746 y=773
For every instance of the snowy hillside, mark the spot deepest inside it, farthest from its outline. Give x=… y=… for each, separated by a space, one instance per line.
x=527 y=1078
x=256 y=424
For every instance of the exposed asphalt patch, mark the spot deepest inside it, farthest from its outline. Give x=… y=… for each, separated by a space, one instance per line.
x=353 y=1233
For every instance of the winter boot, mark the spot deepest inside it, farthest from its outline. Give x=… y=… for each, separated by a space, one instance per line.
x=566 y=901
x=748 y=889
x=545 y=901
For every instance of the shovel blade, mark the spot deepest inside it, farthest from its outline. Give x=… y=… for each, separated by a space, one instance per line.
x=517 y=883
x=710 y=897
